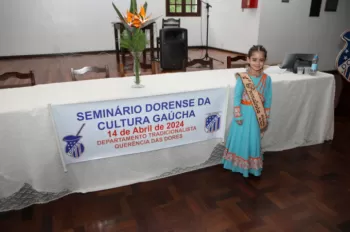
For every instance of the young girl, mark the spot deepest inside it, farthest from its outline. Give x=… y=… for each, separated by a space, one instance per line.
x=252 y=102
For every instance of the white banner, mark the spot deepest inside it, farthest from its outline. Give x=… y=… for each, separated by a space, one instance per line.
x=94 y=130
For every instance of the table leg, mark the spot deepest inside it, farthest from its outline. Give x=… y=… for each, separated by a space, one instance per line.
x=122 y=50
x=144 y=59
x=116 y=40
x=152 y=43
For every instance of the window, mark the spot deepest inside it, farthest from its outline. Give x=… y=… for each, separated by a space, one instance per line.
x=183 y=8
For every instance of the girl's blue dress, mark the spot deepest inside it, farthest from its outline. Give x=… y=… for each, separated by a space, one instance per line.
x=243 y=150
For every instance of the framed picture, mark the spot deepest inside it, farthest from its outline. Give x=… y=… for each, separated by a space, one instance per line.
x=331 y=5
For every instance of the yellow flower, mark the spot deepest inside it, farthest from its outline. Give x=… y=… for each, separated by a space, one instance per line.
x=129 y=18
x=142 y=16
x=136 y=20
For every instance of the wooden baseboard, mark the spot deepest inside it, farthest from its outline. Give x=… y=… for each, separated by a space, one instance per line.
x=54 y=55
x=113 y=52
x=16 y=57
x=225 y=50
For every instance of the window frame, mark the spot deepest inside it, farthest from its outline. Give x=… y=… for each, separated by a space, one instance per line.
x=183 y=13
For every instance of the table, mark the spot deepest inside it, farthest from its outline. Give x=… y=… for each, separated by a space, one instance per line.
x=118 y=30
x=302 y=114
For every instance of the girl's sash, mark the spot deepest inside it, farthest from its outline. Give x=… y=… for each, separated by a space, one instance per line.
x=255 y=99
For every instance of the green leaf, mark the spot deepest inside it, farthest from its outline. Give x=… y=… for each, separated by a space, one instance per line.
x=133 y=6
x=145 y=6
x=121 y=17
x=149 y=22
x=134 y=41
x=119 y=14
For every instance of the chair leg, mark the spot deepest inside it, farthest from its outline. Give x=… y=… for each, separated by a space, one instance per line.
x=158 y=47
x=211 y=64
x=121 y=68
x=155 y=68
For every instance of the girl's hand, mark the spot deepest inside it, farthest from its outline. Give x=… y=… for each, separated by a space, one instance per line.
x=239 y=122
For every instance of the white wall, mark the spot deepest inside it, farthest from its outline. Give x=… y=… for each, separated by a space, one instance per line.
x=230 y=27
x=287 y=28
x=61 y=26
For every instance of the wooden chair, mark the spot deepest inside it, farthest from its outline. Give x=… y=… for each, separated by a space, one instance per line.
x=208 y=63
x=154 y=69
x=167 y=23
x=237 y=61
x=21 y=76
x=84 y=70
x=187 y=64
x=241 y=62
x=171 y=22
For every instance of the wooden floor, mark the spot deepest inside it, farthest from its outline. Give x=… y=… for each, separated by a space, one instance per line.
x=57 y=68
x=304 y=189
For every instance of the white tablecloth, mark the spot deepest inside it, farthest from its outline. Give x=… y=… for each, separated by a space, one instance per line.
x=302 y=114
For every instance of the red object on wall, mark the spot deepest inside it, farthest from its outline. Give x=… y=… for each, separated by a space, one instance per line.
x=249 y=4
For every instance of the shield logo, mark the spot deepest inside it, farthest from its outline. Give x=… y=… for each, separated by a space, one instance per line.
x=73 y=147
x=343 y=58
x=212 y=122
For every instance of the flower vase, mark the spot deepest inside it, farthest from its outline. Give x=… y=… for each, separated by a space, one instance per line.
x=137 y=69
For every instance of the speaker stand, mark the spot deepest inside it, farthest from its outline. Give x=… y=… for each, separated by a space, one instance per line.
x=206 y=60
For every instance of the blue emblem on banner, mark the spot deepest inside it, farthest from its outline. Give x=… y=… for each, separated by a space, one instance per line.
x=73 y=147
x=212 y=122
x=343 y=59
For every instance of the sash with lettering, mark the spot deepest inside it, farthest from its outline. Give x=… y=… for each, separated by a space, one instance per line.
x=255 y=99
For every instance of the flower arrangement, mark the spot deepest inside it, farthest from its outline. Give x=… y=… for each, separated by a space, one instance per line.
x=133 y=37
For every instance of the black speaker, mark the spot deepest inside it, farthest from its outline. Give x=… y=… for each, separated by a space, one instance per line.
x=173 y=48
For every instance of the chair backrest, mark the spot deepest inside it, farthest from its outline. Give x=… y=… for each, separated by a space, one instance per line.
x=21 y=76
x=154 y=69
x=237 y=61
x=171 y=22
x=84 y=70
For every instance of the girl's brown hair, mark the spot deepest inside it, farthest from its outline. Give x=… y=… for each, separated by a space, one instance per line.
x=257 y=48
